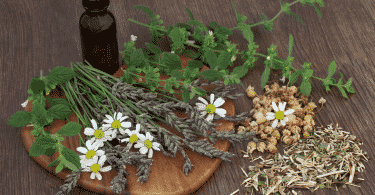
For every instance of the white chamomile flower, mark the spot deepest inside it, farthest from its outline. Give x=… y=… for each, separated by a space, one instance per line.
x=146 y=144
x=90 y=152
x=116 y=122
x=95 y=166
x=279 y=114
x=188 y=33
x=133 y=38
x=283 y=79
x=268 y=58
x=133 y=135
x=211 y=108
x=25 y=103
x=172 y=51
x=100 y=134
x=233 y=58
x=210 y=33
x=190 y=41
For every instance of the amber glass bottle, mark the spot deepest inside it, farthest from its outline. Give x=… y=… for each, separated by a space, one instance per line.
x=98 y=32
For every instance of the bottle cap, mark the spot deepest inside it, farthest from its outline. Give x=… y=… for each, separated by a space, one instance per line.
x=95 y=5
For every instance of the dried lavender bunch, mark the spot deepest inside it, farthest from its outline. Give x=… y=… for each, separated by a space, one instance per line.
x=70 y=183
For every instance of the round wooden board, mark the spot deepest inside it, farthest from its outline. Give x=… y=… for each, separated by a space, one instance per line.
x=166 y=176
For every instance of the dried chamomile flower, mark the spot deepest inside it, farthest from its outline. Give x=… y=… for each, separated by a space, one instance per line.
x=246 y=123
x=261 y=146
x=295 y=129
x=322 y=100
x=256 y=100
x=286 y=132
x=250 y=92
x=251 y=146
x=287 y=140
x=268 y=130
x=272 y=148
x=276 y=134
x=272 y=140
x=308 y=128
x=241 y=130
x=263 y=136
x=306 y=134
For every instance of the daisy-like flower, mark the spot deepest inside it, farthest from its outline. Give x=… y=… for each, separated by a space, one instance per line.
x=210 y=33
x=233 y=58
x=172 y=51
x=100 y=135
x=90 y=152
x=133 y=135
x=133 y=38
x=211 y=108
x=25 y=103
x=95 y=166
x=190 y=41
x=116 y=123
x=279 y=114
x=146 y=144
x=283 y=79
x=268 y=58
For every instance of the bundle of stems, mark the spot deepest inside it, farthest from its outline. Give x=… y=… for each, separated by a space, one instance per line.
x=96 y=94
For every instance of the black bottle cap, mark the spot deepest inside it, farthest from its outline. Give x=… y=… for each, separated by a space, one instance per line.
x=95 y=5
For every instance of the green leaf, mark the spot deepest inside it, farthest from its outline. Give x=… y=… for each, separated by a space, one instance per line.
x=235 y=11
x=223 y=61
x=318 y=11
x=59 y=167
x=185 y=95
x=154 y=49
x=37 y=85
x=199 y=91
x=70 y=129
x=71 y=166
x=170 y=62
x=60 y=75
x=195 y=64
x=342 y=91
x=59 y=111
x=331 y=69
x=137 y=58
x=320 y=3
x=46 y=142
x=267 y=24
x=50 y=151
x=146 y=10
x=265 y=77
x=308 y=73
x=36 y=150
x=241 y=71
x=71 y=156
x=192 y=94
x=189 y=13
x=20 y=119
x=350 y=89
x=211 y=59
x=182 y=25
x=340 y=80
x=290 y=44
x=246 y=32
x=54 y=162
x=197 y=23
x=177 y=74
x=305 y=87
x=293 y=14
x=211 y=75
x=294 y=76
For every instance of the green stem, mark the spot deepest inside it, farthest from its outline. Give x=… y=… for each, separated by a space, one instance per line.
x=149 y=26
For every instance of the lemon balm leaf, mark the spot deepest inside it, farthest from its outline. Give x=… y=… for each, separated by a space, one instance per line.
x=46 y=142
x=71 y=166
x=145 y=9
x=59 y=111
x=189 y=13
x=305 y=87
x=70 y=129
x=20 y=119
x=342 y=91
x=60 y=75
x=37 y=85
x=185 y=95
x=318 y=11
x=290 y=44
x=331 y=69
x=59 y=167
x=265 y=77
x=54 y=162
x=36 y=150
x=71 y=156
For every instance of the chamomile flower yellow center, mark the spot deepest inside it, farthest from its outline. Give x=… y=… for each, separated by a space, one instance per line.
x=210 y=109
x=95 y=168
x=148 y=144
x=116 y=124
x=133 y=138
x=90 y=154
x=279 y=115
x=98 y=134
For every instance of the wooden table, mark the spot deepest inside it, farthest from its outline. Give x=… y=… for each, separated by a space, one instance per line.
x=40 y=35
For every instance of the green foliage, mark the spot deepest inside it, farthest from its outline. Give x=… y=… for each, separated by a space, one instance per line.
x=70 y=129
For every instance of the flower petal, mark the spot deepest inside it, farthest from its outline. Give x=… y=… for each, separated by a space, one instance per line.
x=219 y=102
x=100 y=152
x=92 y=176
x=283 y=122
x=107 y=121
x=86 y=169
x=82 y=150
x=124 y=140
x=139 y=145
x=119 y=116
x=106 y=125
x=274 y=124
x=290 y=111
x=156 y=146
x=212 y=96
x=143 y=150
x=123 y=118
x=150 y=153
x=270 y=116
x=106 y=169
x=94 y=124
x=274 y=107
x=89 y=131
x=203 y=114
x=110 y=118
x=142 y=137
x=149 y=136
x=203 y=100
x=201 y=106
x=221 y=112
x=126 y=124
x=210 y=117
x=102 y=160
x=282 y=106
x=98 y=176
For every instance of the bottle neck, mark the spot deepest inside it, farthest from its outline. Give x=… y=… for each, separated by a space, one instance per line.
x=97 y=10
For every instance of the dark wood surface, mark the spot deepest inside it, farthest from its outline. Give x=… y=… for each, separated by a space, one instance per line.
x=40 y=35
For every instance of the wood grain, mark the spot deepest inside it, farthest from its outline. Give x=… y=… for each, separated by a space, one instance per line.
x=40 y=35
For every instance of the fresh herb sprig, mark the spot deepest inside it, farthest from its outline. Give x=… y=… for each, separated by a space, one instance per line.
x=218 y=54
